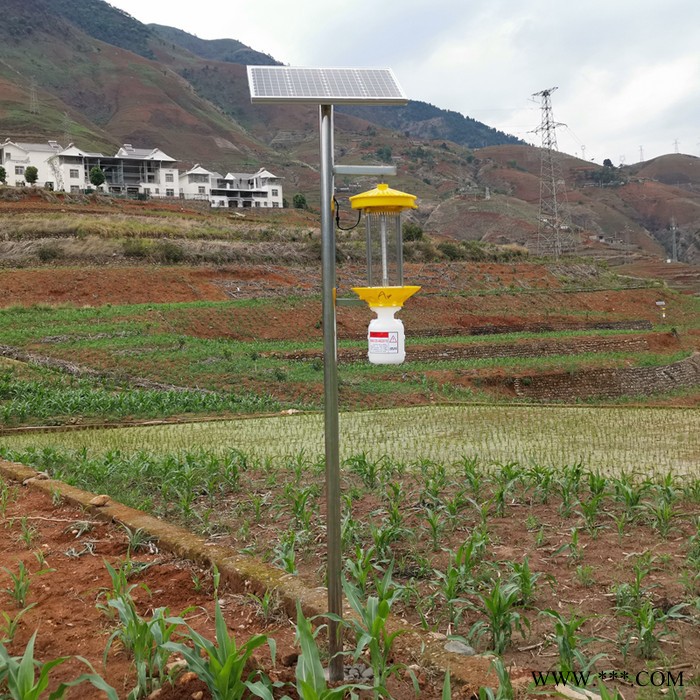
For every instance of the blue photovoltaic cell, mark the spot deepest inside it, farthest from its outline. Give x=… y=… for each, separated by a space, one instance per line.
x=324 y=85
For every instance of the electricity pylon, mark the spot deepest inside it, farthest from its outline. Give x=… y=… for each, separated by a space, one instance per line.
x=555 y=233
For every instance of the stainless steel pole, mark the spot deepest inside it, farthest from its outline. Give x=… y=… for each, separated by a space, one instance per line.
x=330 y=406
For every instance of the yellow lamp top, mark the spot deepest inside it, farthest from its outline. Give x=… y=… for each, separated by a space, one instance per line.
x=385 y=296
x=383 y=199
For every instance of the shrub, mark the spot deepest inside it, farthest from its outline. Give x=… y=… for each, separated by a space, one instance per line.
x=137 y=247
x=169 y=251
x=49 y=252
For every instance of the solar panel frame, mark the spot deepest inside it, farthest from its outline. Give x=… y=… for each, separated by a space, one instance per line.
x=324 y=85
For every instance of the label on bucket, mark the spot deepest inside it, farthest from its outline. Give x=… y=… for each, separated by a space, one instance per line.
x=384 y=342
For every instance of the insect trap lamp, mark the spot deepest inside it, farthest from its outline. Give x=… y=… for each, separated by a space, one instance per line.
x=385 y=292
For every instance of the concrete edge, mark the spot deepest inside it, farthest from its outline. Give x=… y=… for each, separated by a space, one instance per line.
x=250 y=574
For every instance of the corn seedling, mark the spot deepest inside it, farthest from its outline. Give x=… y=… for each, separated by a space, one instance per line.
x=525 y=581
x=505 y=687
x=79 y=528
x=311 y=683
x=7 y=495
x=501 y=617
x=649 y=625
x=121 y=588
x=138 y=539
x=372 y=635
x=9 y=624
x=144 y=640
x=284 y=554
x=221 y=664
x=449 y=586
x=572 y=547
x=661 y=516
x=268 y=606
x=566 y=633
x=584 y=574
x=18 y=675
x=436 y=526
x=588 y=510
x=367 y=469
x=361 y=567
x=21 y=581
x=28 y=533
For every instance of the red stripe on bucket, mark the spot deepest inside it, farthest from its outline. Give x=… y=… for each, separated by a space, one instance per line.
x=379 y=334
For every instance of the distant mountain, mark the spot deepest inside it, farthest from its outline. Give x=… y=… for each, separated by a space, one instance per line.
x=420 y=120
x=106 y=23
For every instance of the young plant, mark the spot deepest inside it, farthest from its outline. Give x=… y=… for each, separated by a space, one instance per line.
x=138 y=539
x=311 y=681
x=501 y=617
x=285 y=553
x=361 y=567
x=268 y=606
x=505 y=687
x=372 y=634
x=661 y=516
x=566 y=632
x=221 y=665
x=20 y=583
x=28 y=533
x=19 y=676
x=649 y=624
x=449 y=587
x=436 y=526
x=144 y=640
x=525 y=581
x=9 y=625
x=572 y=547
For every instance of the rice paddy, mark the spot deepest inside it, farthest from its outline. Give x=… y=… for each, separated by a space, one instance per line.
x=642 y=440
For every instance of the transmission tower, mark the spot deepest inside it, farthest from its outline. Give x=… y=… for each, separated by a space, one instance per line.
x=554 y=230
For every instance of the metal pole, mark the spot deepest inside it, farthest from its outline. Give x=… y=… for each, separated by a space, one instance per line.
x=330 y=406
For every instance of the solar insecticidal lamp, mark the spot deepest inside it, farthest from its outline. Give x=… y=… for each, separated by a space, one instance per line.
x=385 y=292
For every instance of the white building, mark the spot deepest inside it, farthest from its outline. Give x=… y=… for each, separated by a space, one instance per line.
x=17 y=156
x=137 y=172
x=261 y=189
x=196 y=183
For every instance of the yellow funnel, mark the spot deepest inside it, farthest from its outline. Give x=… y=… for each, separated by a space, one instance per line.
x=385 y=296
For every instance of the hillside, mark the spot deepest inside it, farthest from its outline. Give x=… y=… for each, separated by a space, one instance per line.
x=82 y=71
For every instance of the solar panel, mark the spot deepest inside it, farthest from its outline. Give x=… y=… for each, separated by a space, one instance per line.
x=324 y=85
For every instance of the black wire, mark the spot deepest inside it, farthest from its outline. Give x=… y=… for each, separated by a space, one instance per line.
x=337 y=217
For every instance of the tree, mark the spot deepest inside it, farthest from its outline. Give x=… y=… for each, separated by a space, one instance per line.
x=31 y=175
x=299 y=201
x=607 y=163
x=383 y=153
x=97 y=176
x=412 y=232
x=3 y=175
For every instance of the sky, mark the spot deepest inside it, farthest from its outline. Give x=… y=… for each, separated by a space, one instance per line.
x=627 y=72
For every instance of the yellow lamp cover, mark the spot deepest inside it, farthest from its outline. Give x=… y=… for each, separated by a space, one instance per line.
x=386 y=296
x=383 y=199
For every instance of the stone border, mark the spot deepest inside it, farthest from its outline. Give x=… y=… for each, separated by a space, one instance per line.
x=248 y=573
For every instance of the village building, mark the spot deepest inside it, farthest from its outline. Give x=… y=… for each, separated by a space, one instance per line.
x=137 y=172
